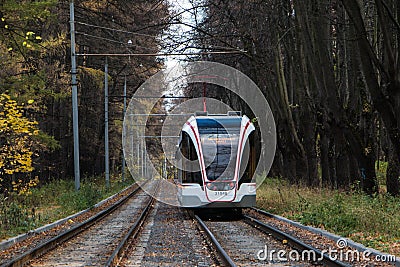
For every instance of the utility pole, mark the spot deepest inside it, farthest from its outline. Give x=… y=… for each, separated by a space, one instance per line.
x=123 y=158
x=165 y=168
x=142 y=153
x=74 y=98
x=106 y=152
x=143 y=160
x=138 y=151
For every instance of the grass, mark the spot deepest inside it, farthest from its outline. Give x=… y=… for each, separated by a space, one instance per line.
x=372 y=221
x=50 y=202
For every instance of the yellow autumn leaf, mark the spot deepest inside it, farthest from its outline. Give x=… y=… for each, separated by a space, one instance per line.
x=15 y=154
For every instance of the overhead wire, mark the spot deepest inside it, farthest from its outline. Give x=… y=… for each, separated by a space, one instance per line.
x=111 y=40
x=136 y=33
x=117 y=30
x=98 y=37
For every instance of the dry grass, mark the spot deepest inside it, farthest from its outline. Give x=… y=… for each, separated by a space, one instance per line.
x=53 y=201
x=372 y=221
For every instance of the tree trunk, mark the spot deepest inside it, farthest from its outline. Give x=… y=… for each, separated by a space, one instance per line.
x=324 y=148
x=342 y=166
x=385 y=104
x=392 y=174
x=369 y=181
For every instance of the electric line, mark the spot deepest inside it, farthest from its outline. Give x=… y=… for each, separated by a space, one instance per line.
x=162 y=54
x=117 y=30
x=171 y=36
x=98 y=37
x=113 y=41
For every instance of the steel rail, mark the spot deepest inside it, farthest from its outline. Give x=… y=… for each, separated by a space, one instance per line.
x=293 y=242
x=222 y=253
x=120 y=250
x=65 y=236
x=334 y=237
x=263 y=212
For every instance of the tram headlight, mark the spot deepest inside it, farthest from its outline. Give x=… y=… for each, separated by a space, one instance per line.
x=220 y=186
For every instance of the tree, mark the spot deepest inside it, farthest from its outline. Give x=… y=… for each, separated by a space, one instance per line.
x=303 y=57
x=381 y=70
x=35 y=63
x=17 y=142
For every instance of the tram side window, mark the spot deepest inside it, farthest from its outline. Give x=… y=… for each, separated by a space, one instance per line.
x=184 y=155
x=191 y=166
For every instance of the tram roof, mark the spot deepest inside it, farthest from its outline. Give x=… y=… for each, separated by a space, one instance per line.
x=218 y=122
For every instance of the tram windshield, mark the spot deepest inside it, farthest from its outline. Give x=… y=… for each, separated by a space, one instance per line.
x=219 y=143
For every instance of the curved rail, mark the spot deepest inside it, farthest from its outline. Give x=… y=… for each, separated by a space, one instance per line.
x=119 y=252
x=65 y=236
x=222 y=253
x=293 y=242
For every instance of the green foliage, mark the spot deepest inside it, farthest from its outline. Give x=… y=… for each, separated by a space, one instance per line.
x=86 y=197
x=32 y=58
x=15 y=217
x=22 y=23
x=93 y=77
x=331 y=214
x=20 y=18
x=48 y=141
x=28 y=10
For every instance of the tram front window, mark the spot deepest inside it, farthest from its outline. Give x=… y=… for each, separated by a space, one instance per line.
x=219 y=152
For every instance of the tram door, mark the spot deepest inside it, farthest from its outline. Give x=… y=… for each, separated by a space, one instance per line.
x=191 y=172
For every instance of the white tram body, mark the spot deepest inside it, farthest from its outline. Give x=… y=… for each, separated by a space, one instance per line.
x=216 y=159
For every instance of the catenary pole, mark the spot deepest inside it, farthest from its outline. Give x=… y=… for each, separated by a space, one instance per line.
x=74 y=98
x=123 y=158
x=106 y=149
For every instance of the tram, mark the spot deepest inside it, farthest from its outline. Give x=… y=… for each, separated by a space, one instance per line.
x=216 y=161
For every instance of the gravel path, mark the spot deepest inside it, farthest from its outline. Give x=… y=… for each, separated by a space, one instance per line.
x=169 y=238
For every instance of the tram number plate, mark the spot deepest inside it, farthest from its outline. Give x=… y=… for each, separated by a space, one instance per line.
x=221 y=193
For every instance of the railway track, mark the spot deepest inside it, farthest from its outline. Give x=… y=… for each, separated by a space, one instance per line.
x=239 y=243
x=169 y=237
x=223 y=255
x=120 y=251
x=98 y=241
x=347 y=252
x=294 y=242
